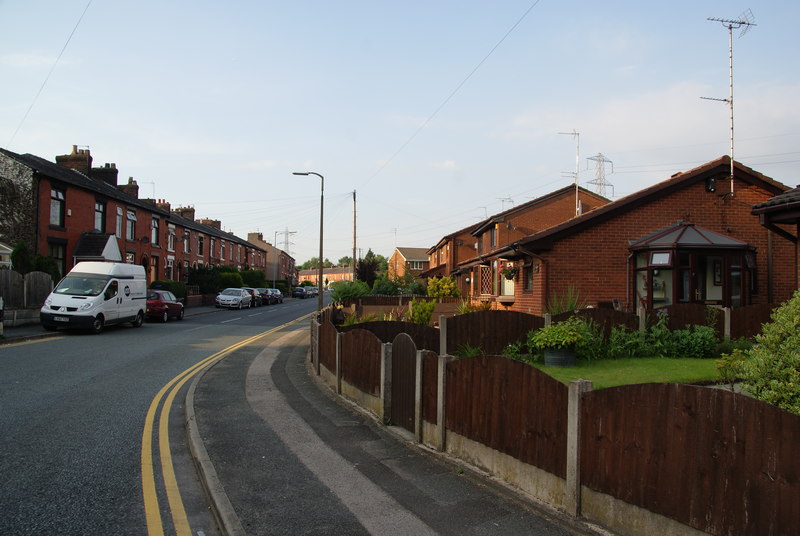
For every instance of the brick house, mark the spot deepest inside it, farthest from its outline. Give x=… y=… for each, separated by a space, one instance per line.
x=54 y=207
x=459 y=253
x=404 y=261
x=781 y=214
x=689 y=239
x=280 y=266
x=330 y=275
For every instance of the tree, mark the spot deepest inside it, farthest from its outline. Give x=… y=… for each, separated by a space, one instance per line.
x=17 y=205
x=772 y=367
x=443 y=287
x=345 y=261
x=367 y=269
x=313 y=263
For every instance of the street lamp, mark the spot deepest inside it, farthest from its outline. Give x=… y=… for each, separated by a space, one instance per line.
x=321 y=207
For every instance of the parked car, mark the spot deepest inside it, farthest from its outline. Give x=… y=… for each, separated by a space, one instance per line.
x=266 y=297
x=233 y=298
x=162 y=304
x=277 y=295
x=255 y=297
x=299 y=292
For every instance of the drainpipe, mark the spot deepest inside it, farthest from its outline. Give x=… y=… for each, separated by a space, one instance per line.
x=769 y=267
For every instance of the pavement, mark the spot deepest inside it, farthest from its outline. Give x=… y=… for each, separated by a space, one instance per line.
x=279 y=453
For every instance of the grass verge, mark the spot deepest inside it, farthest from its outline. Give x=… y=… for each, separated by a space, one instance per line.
x=613 y=372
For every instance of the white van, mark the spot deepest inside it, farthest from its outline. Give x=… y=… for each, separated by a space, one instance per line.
x=96 y=294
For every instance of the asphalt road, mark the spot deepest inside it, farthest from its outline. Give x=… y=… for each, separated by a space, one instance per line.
x=72 y=411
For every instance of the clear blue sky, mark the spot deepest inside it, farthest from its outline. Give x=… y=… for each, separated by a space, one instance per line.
x=432 y=111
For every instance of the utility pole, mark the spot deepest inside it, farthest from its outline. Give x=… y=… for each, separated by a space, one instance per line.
x=744 y=22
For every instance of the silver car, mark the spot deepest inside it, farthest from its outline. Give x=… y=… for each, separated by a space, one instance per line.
x=238 y=298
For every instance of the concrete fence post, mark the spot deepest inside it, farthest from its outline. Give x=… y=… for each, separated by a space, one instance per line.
x=2 y=308
x=642 y=314
x=386 y=381
x=339 y=337
x=442 y=335
x=441 y=393
x=572 y=499
x=548 y=319
x=418 y=398
x=727 y=325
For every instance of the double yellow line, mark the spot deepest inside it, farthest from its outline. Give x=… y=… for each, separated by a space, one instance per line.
x=177 y=511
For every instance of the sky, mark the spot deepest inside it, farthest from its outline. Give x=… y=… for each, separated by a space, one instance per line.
x=436 y=113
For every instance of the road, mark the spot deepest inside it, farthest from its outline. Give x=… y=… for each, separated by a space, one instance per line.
x=72 y=414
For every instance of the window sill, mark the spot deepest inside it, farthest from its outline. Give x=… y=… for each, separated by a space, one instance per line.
x=505 y=299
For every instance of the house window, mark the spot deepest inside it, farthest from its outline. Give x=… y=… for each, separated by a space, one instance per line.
x=660 y=258
x=186 y=241
x=100 y=216
x=527 y=278
x=154 y=231
x=415 y=265
x=212 y=247
x=130 y=257
x=57 y=204
x=118 y=231
x=57 y=250
x=130 y=230
x=222 y=250
x=493 y=237
x=171 y=237
x=200 y=245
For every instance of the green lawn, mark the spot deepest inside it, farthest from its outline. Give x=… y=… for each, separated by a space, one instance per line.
x=612 y=372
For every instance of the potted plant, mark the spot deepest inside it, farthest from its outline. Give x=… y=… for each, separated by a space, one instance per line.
x=508 y=270
x=558 y=342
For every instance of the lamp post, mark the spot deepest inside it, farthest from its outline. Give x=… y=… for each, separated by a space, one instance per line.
x=321 y=207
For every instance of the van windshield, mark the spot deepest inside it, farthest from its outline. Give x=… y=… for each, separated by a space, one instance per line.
x=82 y=285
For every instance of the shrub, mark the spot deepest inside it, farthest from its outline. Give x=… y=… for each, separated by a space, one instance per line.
x=465 y=350
x=420 y=311
x=731 y=366
x=772 y=369
x=468 y=306
x=443 y=287
x=694 y=341
x=253 y=278
x=567 y=302
x=230 y=279
x=176 y=287
x=384 y=287
x=565 y=334
x=345 y=290
x=591 y=344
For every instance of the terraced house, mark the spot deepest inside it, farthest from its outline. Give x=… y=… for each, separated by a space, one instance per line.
x=72 y=211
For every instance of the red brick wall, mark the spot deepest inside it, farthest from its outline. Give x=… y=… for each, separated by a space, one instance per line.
x=595 y=260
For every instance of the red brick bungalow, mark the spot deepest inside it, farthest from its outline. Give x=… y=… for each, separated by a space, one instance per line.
x=688 y=239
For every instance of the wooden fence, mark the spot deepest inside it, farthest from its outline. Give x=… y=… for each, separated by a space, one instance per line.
x=711 y=459
x=24 y=292
x=491 y=331
x=423 y=336
x=683 y=455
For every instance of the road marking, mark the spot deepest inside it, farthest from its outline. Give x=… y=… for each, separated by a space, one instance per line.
x=231 y=320
x=32 y=341
x=152 y=512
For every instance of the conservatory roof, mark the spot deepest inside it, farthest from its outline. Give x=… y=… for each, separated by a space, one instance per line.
x=686 y=236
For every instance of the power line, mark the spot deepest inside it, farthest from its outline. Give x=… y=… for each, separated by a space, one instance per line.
x=28 y=111
x=452 y=94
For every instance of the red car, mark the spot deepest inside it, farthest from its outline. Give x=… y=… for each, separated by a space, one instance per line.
x=162 y=304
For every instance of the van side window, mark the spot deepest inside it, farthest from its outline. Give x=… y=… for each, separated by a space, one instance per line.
x=112 y=290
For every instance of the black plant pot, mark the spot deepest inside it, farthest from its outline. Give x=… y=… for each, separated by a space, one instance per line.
x=559 y=357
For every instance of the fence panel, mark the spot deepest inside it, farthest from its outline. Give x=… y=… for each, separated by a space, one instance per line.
x=327 y=345
x=717 y=461
x=423 y=336
x=404 y=381
x=361 y=361
x=491 y=331
x=511 y=407
x=680 y=315
x=430 y=385
x=747 y=321
x=12 y=290
x=38 y=286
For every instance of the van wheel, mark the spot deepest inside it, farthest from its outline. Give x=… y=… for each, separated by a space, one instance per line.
x=98 y=324
x=138 y=321
x=180 y=314
x=165 y=317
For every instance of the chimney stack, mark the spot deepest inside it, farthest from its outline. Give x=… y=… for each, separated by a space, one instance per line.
x=79 y=160
x=132 y=188
x=108 y=174
x=216 y=224
x=163 y=205
x=185 y=212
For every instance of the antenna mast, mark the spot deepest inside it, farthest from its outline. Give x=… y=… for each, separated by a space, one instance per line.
x=599 y=181
x=577 y=137
x=745 y=21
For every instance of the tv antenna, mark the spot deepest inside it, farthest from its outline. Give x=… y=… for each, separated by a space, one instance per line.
x=577 y=137
x=503 y=201
x=599 y=180
x=745 y=21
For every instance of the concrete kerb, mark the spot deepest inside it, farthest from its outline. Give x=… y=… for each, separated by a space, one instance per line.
x=474 y=473
x=221 y=508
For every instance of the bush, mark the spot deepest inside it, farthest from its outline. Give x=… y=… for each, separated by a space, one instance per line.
x=465 y=350
x=344 y=290
x=207 y=279
x=772 y=369
x=253 y=278
x=176 y=287
x=420 y=311
x=565 y=334
x=731 y=366
x=468 y=306
x=384 y=287
x=230 y=279
x=565 y=303
x=443 y=287
x=624 y=344
x=694 y=341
